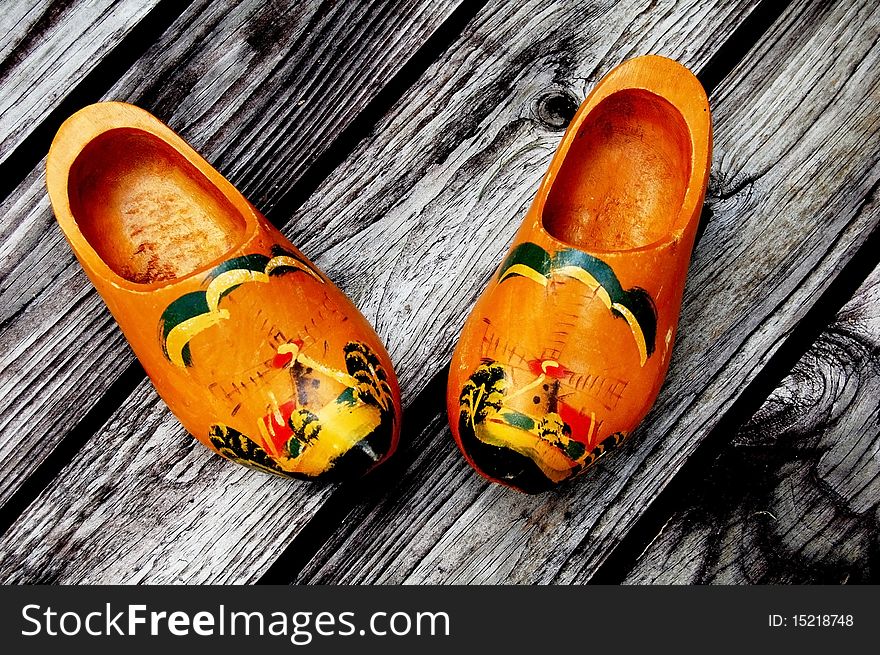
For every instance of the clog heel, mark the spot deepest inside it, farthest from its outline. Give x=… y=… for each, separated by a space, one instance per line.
x=256 y=352
x=566 y=349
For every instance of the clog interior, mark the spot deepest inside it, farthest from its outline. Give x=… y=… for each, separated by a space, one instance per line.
x=622 y=183
x=147 y=211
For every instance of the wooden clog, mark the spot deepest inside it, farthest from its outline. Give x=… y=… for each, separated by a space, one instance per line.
x=566 y=350
x=256 y=352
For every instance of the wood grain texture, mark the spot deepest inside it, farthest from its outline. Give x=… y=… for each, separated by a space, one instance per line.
x=46 y=48
x=794 y=496
x=258 y=90
x=796 y=155
x=468 y=141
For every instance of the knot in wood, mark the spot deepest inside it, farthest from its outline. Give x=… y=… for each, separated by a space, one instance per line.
x=555 y=109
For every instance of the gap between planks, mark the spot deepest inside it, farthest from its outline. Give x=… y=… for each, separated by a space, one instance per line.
x=22 y=150
x=809 y=512
x=678 y=493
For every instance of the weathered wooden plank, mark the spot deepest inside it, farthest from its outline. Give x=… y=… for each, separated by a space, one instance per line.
x=46 y=48
x=261 y=91
x=797 y=136
x=793 y=497
x=471 y=136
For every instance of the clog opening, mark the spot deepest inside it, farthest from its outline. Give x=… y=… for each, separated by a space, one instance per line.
x=623 y=180
x=148 y=212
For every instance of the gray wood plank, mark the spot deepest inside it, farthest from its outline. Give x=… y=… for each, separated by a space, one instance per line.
x=797 y=136
x=260 y=91
x=794 y=496
x=46 y=48
x=468 y=140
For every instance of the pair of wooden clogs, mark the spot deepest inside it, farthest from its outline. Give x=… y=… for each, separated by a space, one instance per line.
x=264 y=360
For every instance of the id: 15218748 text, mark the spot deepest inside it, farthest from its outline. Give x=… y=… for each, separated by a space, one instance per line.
x=811 y=621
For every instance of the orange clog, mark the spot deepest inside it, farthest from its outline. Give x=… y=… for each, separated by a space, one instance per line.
x=566 y=350
x=256 y=352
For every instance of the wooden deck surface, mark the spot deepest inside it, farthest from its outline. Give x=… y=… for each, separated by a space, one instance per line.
x=399 y=144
